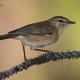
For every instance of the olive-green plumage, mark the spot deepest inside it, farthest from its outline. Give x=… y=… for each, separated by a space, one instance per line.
x=41 y=33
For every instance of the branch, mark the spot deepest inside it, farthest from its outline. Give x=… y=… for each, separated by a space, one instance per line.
x=54 y=56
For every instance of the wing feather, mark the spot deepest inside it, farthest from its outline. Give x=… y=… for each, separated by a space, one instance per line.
x=39 y=29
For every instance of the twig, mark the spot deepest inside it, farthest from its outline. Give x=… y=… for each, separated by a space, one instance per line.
x=54 y=56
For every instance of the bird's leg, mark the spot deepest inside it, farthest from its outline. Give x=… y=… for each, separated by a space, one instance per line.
x=37 y=49
x=23 y=45
x=42 y=50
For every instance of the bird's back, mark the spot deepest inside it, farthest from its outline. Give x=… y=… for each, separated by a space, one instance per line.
x=35 y=28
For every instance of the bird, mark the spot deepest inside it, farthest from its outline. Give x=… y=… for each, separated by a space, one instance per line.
x=39 y=34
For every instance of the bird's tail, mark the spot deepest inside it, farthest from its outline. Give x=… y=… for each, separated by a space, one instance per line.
x=6 y=36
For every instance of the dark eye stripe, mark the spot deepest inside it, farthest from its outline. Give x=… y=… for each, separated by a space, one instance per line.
x=61 y=21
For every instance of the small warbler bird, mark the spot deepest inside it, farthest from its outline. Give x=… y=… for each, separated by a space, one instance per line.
x=39 y=34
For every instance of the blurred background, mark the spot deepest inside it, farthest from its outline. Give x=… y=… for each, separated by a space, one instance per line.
x=17 y=13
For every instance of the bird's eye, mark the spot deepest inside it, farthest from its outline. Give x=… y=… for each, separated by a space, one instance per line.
x=61 y=21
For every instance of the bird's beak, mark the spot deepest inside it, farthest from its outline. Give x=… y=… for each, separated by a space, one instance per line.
x=71 y=22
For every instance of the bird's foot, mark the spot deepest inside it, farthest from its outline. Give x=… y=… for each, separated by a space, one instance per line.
x=25 y=59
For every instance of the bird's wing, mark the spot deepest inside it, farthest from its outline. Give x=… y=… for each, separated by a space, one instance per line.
x=37 y=29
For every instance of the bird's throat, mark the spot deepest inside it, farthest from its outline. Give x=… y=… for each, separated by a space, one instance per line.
x=60 y=29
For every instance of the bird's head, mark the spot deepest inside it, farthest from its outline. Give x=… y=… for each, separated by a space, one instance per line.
x=60 y=21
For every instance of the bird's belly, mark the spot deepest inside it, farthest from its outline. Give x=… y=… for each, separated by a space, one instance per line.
x=38 y=40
